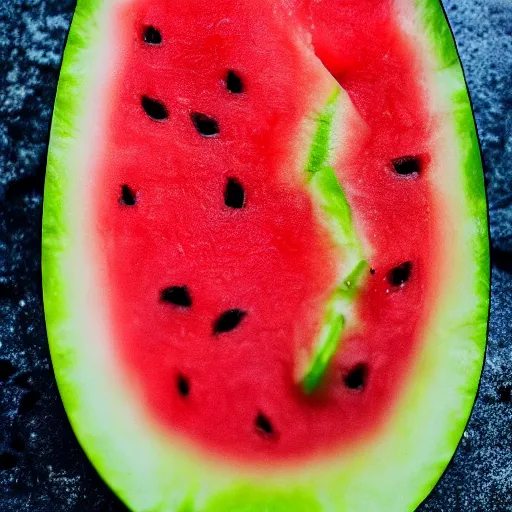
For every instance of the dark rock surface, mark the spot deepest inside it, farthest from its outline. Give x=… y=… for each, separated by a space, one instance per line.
x=42 y=468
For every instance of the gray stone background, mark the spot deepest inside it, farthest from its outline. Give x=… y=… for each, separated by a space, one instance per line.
x=42 y=468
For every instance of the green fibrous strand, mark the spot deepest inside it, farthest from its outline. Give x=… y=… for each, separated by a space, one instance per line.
x=331 y=201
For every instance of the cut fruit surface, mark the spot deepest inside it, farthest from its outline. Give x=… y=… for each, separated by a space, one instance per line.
x=265 y=255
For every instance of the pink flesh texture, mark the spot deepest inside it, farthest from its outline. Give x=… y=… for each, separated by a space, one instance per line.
x=273 y=258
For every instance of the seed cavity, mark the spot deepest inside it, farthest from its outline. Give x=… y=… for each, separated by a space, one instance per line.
x=234 y=194
x=356 y=378
x=400 y=274
x=228 y=321
x=183 y=385
x=407 y=165
x=205 y=125
x=152 y=35
x=155 y=109
x=263 y=426
x=177 y=295
x=234 y=83
x=128 y=196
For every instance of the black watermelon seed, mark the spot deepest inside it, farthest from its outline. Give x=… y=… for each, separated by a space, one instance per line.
x=205 y=125
x=228 y=321
x=407 y=165
x=155 y=109
x=400 y=274
x=263 y=426
x=234 y=83
x=183 y=386
x=152 y=35
x=128 y=196
x=234 y=194
x=177 y=295
x=356 y=378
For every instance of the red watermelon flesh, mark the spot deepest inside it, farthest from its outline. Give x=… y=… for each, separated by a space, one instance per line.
x=177 y=257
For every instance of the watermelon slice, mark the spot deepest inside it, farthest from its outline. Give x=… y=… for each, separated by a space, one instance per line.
x=265 y=252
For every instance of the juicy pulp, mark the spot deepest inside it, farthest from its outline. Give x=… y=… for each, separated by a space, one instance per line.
x=273 y=258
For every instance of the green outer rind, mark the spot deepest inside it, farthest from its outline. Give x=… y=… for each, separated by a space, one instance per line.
x=151 y=472
x=441 y=38
x=450 y=74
